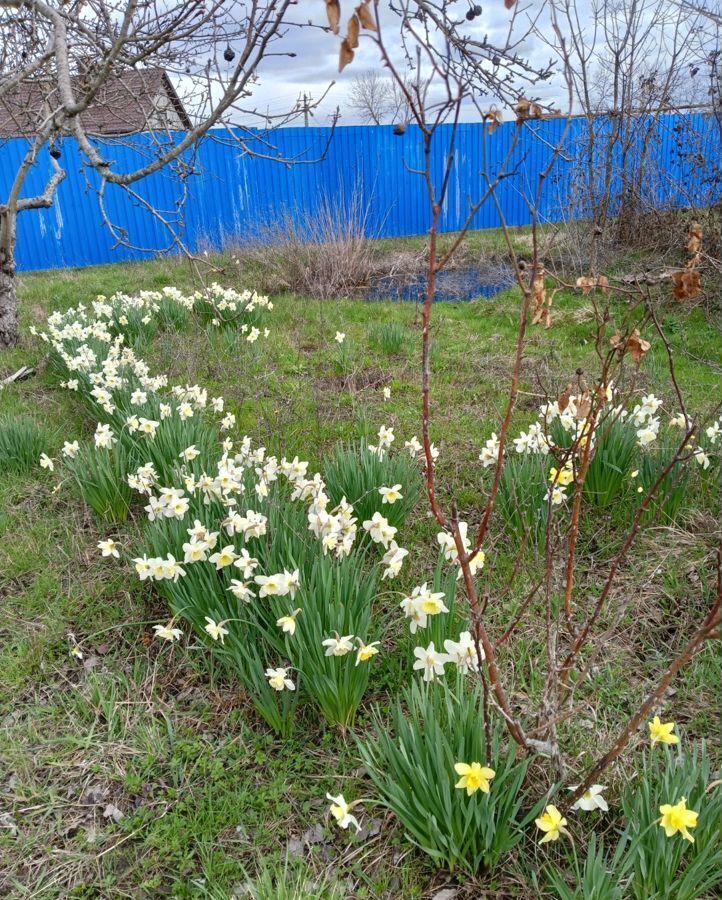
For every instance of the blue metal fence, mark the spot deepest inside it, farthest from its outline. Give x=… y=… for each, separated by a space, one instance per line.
x=231 y=196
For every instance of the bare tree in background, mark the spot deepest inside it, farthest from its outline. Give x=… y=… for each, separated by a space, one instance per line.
x=377 y=99
x=74 y=57
x=630 y=63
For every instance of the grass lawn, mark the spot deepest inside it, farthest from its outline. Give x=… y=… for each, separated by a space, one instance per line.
x=142 y=770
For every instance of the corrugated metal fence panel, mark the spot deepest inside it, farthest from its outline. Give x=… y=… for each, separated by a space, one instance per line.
x=231 y=196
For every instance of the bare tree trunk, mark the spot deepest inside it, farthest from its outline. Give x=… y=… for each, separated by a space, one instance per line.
x=8 y=299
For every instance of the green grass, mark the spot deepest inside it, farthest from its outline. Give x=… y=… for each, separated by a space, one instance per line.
x=210 y=800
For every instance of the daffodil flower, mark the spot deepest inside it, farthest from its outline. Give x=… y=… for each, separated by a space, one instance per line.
x=366 y=652
x=224 y=557
x=167 y=632
x=109 y=548
x=287 y=624
x=215 y=629
x=340 y=337
x=552 y=823
x=338 y=646
x=474 y=777
x=678 y=818
x=591 y=799
x=430 y=661
x=341 y=811
x=393 y=560
x=279 y=680
x=662 y=732
x=46 y=462
x=391 y=494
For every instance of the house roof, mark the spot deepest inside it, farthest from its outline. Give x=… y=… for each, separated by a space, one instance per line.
x=125 y=104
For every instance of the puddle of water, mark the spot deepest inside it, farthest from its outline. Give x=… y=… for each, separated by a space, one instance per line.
x=452 y=285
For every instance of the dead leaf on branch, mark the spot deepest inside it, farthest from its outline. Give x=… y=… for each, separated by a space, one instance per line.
x=694 y=242
x=583 y=405
x=366 y=17
x=686 y=284
x=526 y=109
x=634 y=344
x=563 y=398
x=333 y=11
x=346 y=55
x=542 y=304
x=588 y=283
x=352 y=31
x=493 y=118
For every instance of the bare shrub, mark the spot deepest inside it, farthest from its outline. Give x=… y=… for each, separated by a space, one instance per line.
x=325 y=253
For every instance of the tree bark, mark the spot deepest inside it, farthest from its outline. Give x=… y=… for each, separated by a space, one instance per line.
x=8 y=300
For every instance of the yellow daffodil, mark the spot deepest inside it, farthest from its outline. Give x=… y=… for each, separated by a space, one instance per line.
x=662 y=732
x=562 y=477
x=366 y=651
x=678 y=818
x=474 y=777
x=552 y=823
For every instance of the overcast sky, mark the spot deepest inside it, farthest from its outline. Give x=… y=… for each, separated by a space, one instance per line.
x=315 y=66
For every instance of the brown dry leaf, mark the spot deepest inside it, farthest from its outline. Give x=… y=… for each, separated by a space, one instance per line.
x=345 y=56
x=494 y=119
x=686 y=284
x=695 y=238
x=333 y=11
x=563 y=398
x=352 y=31
x=586 y=283
x=521 y=108
x=636 y=346
x=583 y=405
x=542 y=306
x=509 y=3
x=366 y=17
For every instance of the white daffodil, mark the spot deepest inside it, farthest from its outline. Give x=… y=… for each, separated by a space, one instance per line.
x=413 y=446
x=215 y=629
x=279 y=680
x=341 y=811
x=167 y=632
x=430 y=661
x=393 y=560
x=340 y=337
x=224 y=557
x=701 y=458
x=338 y=646
x=271 y=585
x=240 y=590
x=70 y=449
x=46 y=462
x=463 y=652
x=287 y=624
x=490 y=454
x=190 y=453
x=379 y=529
x=109 y=548
x=391 y=494
x=591 y=799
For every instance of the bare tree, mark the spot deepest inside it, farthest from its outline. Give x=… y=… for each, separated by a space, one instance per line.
x=630 y=63
x=371 y=97
x=70 y=58
x=378 y=99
